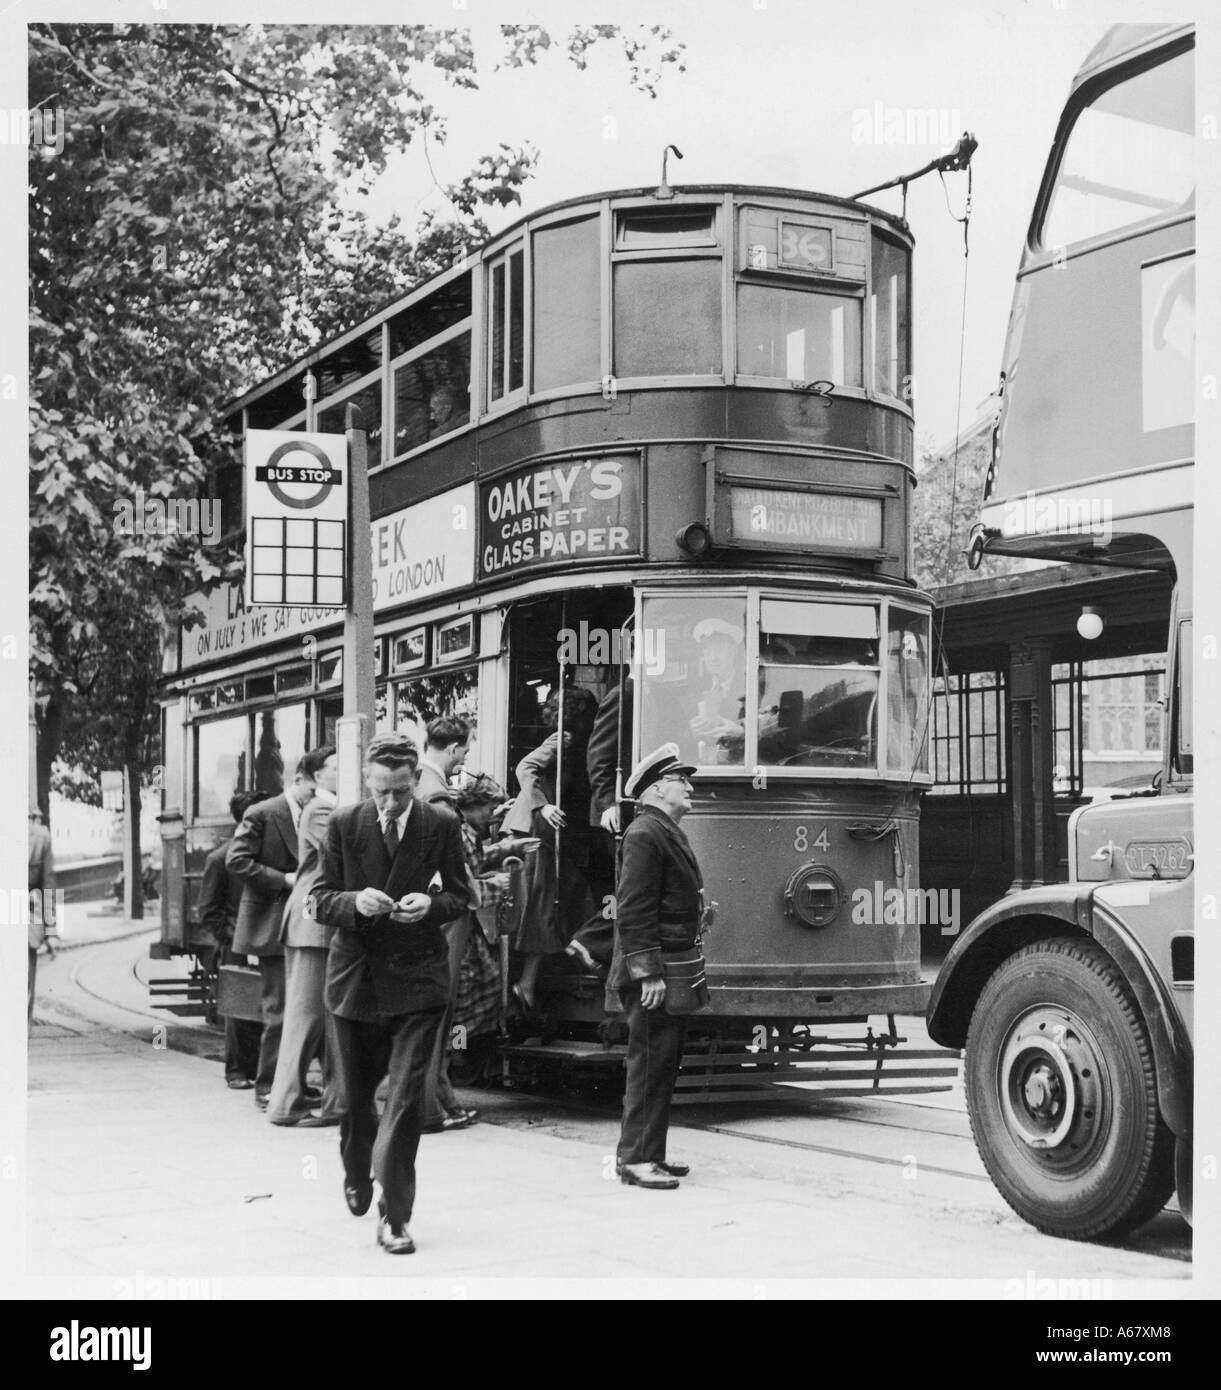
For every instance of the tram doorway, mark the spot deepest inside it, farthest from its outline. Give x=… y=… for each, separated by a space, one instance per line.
x=585 y=629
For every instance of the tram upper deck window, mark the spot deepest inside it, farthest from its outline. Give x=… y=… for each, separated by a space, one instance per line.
x=794 y=334
x=349 y=363
x=332 y=419
x=506 y=324
x=695 y=694
x=649 y=230
x=567 y=304
x=432 y=394
x=430 y=353
x=818 y=684
x=1129 y=156
x=888 y=318
x=668 y=318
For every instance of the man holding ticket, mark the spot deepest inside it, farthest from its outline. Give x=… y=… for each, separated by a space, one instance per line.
x=392 y=873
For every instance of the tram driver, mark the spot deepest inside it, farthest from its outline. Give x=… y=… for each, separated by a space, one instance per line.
x=720 y=710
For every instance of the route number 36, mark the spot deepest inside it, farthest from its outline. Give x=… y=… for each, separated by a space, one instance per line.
x=802 y=842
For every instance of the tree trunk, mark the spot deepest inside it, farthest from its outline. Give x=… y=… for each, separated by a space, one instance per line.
x=50 y=721
x=133 y=890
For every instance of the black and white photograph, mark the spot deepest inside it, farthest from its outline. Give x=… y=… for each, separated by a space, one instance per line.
x=609 y=678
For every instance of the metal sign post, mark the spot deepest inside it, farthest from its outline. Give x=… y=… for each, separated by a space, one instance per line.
x=354 y=729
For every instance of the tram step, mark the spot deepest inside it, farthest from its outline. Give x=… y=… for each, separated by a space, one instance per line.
x=691 y=1080
x=577 y=1053
x=184 y=1010
x=193 y=989
x=779 y=1094
x=786 y=1057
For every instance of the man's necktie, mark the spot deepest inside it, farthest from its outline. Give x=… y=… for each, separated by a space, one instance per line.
x=391 y=834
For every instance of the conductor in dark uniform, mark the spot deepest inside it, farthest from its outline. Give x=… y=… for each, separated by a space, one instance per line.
x=658 y=909
x=392 y=874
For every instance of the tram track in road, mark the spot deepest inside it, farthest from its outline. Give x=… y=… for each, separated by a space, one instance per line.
x=1166 y=1236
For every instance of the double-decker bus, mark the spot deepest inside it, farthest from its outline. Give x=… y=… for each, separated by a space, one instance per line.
x=666 y=413
x=1074 y=999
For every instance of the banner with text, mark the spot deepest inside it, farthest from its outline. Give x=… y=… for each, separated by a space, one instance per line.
x=576 y=510
x=425 y=549
x=422 y=550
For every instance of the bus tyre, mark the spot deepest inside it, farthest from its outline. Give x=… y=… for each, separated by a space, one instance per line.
x=1062 y=1096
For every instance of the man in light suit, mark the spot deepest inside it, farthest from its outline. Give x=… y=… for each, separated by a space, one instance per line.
x=263 y=854
x=392 y=874
x=305 y=948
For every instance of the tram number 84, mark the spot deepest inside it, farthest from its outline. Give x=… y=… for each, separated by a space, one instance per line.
x=802 y=842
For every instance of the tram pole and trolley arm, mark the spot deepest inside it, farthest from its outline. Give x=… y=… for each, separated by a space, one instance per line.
x=353 y=728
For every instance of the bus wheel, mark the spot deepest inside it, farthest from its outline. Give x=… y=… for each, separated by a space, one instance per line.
x=1062 y=1096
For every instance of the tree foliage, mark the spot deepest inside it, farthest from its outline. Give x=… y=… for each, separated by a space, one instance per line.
x=201 y=226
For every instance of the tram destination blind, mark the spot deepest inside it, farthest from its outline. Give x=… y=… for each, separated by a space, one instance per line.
x=791 y=518
x=569 y=510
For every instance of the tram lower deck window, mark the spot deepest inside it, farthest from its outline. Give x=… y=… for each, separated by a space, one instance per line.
x=818 y=684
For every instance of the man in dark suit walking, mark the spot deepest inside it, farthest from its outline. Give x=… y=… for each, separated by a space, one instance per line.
x=263 y=854
x=659 y=909
x=220 y=896
x=392 y=874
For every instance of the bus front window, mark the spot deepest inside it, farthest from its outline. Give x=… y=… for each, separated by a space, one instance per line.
x=1130 y=156
x=693 y=671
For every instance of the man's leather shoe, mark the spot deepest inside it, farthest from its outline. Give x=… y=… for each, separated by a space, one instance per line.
x=316 y=1121
x=455 y=1119
x=240 y=1083
x=646 y=1175
x=394 y=1240
x=262 y=1101
x=675 y=1170
x=359 y=1198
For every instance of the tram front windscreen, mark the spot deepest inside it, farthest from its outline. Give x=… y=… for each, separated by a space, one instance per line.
x=748 y=680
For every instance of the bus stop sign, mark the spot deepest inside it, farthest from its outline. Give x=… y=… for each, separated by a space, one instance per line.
x=296 y=518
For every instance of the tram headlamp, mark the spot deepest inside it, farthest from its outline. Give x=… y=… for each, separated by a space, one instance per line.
x=813 y=896
x=694 y=540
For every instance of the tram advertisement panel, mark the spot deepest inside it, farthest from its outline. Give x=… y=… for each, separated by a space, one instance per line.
x=570 y=509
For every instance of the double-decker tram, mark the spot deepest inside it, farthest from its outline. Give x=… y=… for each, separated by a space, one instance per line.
x=657 y=442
